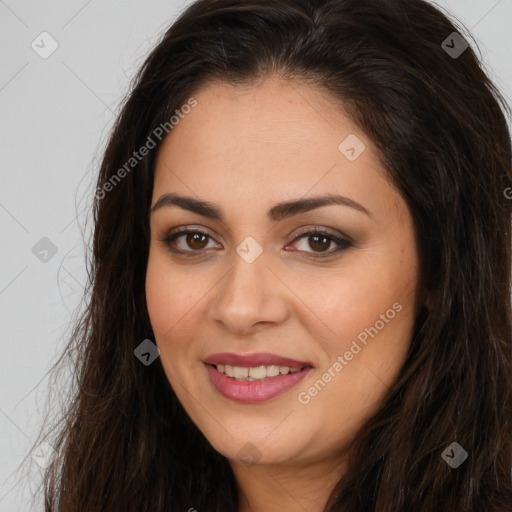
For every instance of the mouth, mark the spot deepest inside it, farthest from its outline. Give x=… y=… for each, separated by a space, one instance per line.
x=254 y=378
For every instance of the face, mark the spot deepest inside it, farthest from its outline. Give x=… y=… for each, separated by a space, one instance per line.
x=300 y=265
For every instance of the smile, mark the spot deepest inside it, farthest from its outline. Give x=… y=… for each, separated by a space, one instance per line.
x=255 y=372
x=270 y=381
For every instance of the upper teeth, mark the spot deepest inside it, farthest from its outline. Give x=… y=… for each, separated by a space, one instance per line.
x=255 y=372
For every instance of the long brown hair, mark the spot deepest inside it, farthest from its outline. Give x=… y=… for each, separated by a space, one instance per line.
x=439 y=125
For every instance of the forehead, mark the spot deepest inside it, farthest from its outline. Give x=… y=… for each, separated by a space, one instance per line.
x=271 y=114
x=278 y=139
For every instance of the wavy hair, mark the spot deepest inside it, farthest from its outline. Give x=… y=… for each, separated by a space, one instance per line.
x=440 y=128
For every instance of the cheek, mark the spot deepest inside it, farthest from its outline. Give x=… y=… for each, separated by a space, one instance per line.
x=372 y=348
x=349 y=302
x=368 y=315
x=170 y=294
x=176 y=300
x=167 y=304
x=169 y=299
x=160 y=299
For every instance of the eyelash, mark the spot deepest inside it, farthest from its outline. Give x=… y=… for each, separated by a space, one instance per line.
x=343 y=243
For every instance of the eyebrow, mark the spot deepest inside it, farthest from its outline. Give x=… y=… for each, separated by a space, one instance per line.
x=277 y=213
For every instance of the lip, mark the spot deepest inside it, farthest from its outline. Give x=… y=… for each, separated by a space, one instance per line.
x=256 y=359
x=256 y=391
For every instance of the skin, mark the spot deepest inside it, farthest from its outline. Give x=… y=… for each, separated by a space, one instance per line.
x=245 y=150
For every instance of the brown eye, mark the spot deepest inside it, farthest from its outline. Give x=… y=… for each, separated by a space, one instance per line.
x=313 y=243
x=187 y=242
x=316 y=243
x=196 y=241
x=319 y=243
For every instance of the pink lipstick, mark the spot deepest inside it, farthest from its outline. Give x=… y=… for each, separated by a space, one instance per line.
x=254 y=378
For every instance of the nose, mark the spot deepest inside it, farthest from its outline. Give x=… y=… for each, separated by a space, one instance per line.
x=249 y=297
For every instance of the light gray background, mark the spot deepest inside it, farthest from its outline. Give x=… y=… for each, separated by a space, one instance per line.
x=55 y=116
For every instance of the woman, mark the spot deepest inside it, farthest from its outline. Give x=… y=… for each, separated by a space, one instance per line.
x=300 y=285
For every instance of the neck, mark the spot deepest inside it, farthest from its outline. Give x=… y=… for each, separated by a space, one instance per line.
x=274 y=488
